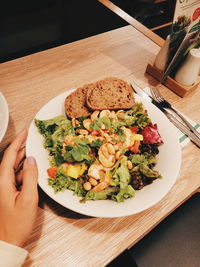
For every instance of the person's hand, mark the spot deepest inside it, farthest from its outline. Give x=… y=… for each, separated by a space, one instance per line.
x=18 y=194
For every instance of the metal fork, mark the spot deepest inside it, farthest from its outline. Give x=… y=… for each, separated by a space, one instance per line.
x=165 y=104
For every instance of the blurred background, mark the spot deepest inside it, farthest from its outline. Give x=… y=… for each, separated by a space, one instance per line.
x=28 y=27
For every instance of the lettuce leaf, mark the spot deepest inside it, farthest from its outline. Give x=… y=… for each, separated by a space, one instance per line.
x=100 y=195
x=54 y=131
x=148 y=172
x=79 y=153
x=138 y=116
x=145 y=158
x=62 y=182
x=121 y=179
x=49 y=127
x=127 y=192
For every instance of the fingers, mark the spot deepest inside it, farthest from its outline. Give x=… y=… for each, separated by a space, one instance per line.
x=19 y=159
x=29 y=192
x=10 y=156
x=18 y=178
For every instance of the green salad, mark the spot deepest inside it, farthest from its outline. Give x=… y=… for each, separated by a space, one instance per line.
x=107 y=155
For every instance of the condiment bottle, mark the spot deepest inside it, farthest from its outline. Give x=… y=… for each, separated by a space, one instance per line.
x=162 y=56
x=187 y=74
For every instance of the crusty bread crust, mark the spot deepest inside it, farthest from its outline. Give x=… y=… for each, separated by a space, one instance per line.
x=75 y=105
x=110 y=93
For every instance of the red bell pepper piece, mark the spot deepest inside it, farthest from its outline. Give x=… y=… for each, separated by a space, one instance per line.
x=135 y=147
x=52 y=171
x=134 y=129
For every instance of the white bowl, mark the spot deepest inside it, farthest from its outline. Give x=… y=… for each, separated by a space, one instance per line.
x=4 y=116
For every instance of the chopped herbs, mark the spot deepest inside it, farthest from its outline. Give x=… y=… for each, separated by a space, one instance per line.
x=97 y=143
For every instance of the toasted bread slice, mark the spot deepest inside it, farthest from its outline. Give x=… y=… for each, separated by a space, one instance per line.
x=75 y=105
x=110 y=93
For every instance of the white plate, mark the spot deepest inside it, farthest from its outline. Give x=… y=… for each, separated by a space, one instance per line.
x=169 y=160
x=4 y=116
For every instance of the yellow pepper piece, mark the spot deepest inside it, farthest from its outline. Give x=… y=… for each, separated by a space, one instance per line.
x=138 y=137
x=82 y=168
x=73 y=171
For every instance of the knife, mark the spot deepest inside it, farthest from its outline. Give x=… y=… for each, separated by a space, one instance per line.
x=141 y=92
x=184 y=129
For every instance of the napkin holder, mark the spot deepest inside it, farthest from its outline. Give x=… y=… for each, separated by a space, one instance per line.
x=179 y=89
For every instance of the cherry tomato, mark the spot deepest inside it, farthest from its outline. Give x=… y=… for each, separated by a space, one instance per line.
x=52 y=171
x=134 y=129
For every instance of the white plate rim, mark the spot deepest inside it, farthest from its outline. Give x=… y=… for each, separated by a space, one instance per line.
x=85 y=210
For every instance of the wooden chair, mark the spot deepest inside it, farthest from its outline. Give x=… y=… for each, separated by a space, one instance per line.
x=133 y=22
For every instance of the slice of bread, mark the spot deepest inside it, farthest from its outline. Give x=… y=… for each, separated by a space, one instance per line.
x=75 y=105
x=110 y=93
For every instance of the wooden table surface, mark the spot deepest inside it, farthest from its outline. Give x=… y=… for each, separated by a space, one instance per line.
x=62 y=237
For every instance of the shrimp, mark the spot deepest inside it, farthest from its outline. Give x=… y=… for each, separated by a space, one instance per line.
x=103 y=184
x=106 y=159
x=96 y=170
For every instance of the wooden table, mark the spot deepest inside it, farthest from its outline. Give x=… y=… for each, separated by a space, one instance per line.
x=62 y=237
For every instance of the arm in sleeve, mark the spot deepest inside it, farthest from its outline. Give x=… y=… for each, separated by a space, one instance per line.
x=11 y=255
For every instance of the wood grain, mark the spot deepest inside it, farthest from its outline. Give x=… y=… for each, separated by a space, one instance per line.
x=179 y=89
x=161 y=26
x=62 y=237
